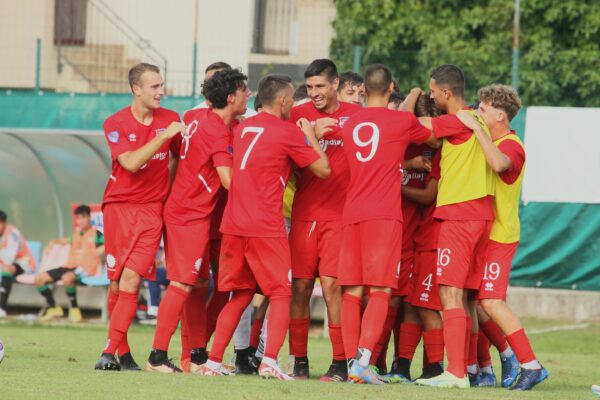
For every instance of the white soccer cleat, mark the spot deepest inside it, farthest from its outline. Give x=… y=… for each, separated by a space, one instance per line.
x=269 y=369
x=211 y=368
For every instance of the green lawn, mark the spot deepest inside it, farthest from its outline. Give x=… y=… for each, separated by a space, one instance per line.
x=47 y=362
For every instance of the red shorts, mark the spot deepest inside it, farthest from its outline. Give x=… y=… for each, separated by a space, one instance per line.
x=425 y=292
x=132 y=236
x=248 y=262
x=461 y=253
x=498 y=261
x=370 y=254
x=404 y=279
x=185 y=250
x=315 y=248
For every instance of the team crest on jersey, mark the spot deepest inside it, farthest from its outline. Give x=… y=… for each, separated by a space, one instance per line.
x=159 y=131
x=132 y=137
x=113 y=136
x=343 y=121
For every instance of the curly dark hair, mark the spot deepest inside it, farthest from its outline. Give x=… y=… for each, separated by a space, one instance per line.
x=221 y=85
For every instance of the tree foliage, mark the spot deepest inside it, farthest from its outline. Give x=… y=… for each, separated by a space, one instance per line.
x=559 y=43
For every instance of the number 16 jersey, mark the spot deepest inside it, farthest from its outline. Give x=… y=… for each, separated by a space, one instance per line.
x=375 y=140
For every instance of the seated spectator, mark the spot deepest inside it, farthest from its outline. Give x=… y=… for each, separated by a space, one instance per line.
x=15 y=258
x=87 y=247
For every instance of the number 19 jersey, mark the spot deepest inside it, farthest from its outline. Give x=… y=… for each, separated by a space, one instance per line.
x=375 y=140
x=264 y=148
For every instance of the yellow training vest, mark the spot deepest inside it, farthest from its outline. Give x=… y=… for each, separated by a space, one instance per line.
x=464 y=173
x=288 y=196
x=506 y=227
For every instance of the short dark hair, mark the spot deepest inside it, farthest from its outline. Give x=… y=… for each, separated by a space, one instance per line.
x=451 y=76
x=257 y=103
x=350 y=78
x=83 y=209
x=321 y=66
x=301 y=93
x=217 y=65
x=136 y=72
x=221 y=85
x=424 y=106
x=378 y=79
x=3 y=216
x=396 y=98
x=270 y=86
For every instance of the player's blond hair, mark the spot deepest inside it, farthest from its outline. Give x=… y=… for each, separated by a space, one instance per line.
x=503 y=97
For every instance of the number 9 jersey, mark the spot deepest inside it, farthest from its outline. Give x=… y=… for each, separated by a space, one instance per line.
x=375 y=140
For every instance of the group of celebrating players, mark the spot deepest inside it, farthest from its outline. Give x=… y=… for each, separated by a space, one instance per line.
x=405 y=209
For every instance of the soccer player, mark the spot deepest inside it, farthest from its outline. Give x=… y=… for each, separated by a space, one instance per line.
x=505 y=154
x=315 y=236
x=204 y=165
x=140 y=137
x=255 y=252
x=15 y=258
x=87 y=248
x=351 y=88
x=464 y=206
x=375 y=140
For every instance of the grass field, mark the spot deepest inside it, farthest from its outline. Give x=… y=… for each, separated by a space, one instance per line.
x=48 y=362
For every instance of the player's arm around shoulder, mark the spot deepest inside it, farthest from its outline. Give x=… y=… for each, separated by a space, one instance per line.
x=320 y=167
x=495 y=158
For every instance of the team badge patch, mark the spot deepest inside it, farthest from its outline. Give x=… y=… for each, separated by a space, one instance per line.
x=343 y=121
x=113 y=136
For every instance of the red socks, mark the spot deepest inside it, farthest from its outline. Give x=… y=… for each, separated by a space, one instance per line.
x=299 y=337
x=169 y=314
x=410 y=336
x=472 y=360
x=350 y=324
x=195 y=313
x=278 y=322
x=122 y=315
x=373 y=322
x=382 y=343
x=455 y=325
x=494 y=334
x=213 y=309
x=520 y=346
x=111 y=303
x=484 y=358
x=433 y=341
x=337 y=344
x=228 y=321
x=255 y=333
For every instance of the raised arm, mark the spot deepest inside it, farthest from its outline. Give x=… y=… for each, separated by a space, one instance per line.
x=423 y=196
x=494 y=157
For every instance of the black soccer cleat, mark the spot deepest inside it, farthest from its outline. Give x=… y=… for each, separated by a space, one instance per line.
x=529 y=378
x=159 y=362
x=400 y=371
x=107 y=362
x=128 y=363
x=301 y=368
x=246 y=362
x=337 y=372
x=431 y=371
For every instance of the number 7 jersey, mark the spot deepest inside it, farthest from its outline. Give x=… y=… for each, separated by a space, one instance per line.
x=264 y=149
x=375 y=140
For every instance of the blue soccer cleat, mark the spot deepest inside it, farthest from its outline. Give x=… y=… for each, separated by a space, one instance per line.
x=486 y=379
x=529 y=378
x=510 y=370
x=359 y=374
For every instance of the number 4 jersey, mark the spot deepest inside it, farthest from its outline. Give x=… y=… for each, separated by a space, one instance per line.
x=375 y=140
x=264 y=148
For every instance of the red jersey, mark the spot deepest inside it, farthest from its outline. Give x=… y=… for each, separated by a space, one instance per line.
x=318 y=199
x=450 y=127
x=516 y=154
x=411 y=210
x=426 y=235
x=375 y=140
x=197 y=183
x=264 y=149
x=124 y=133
